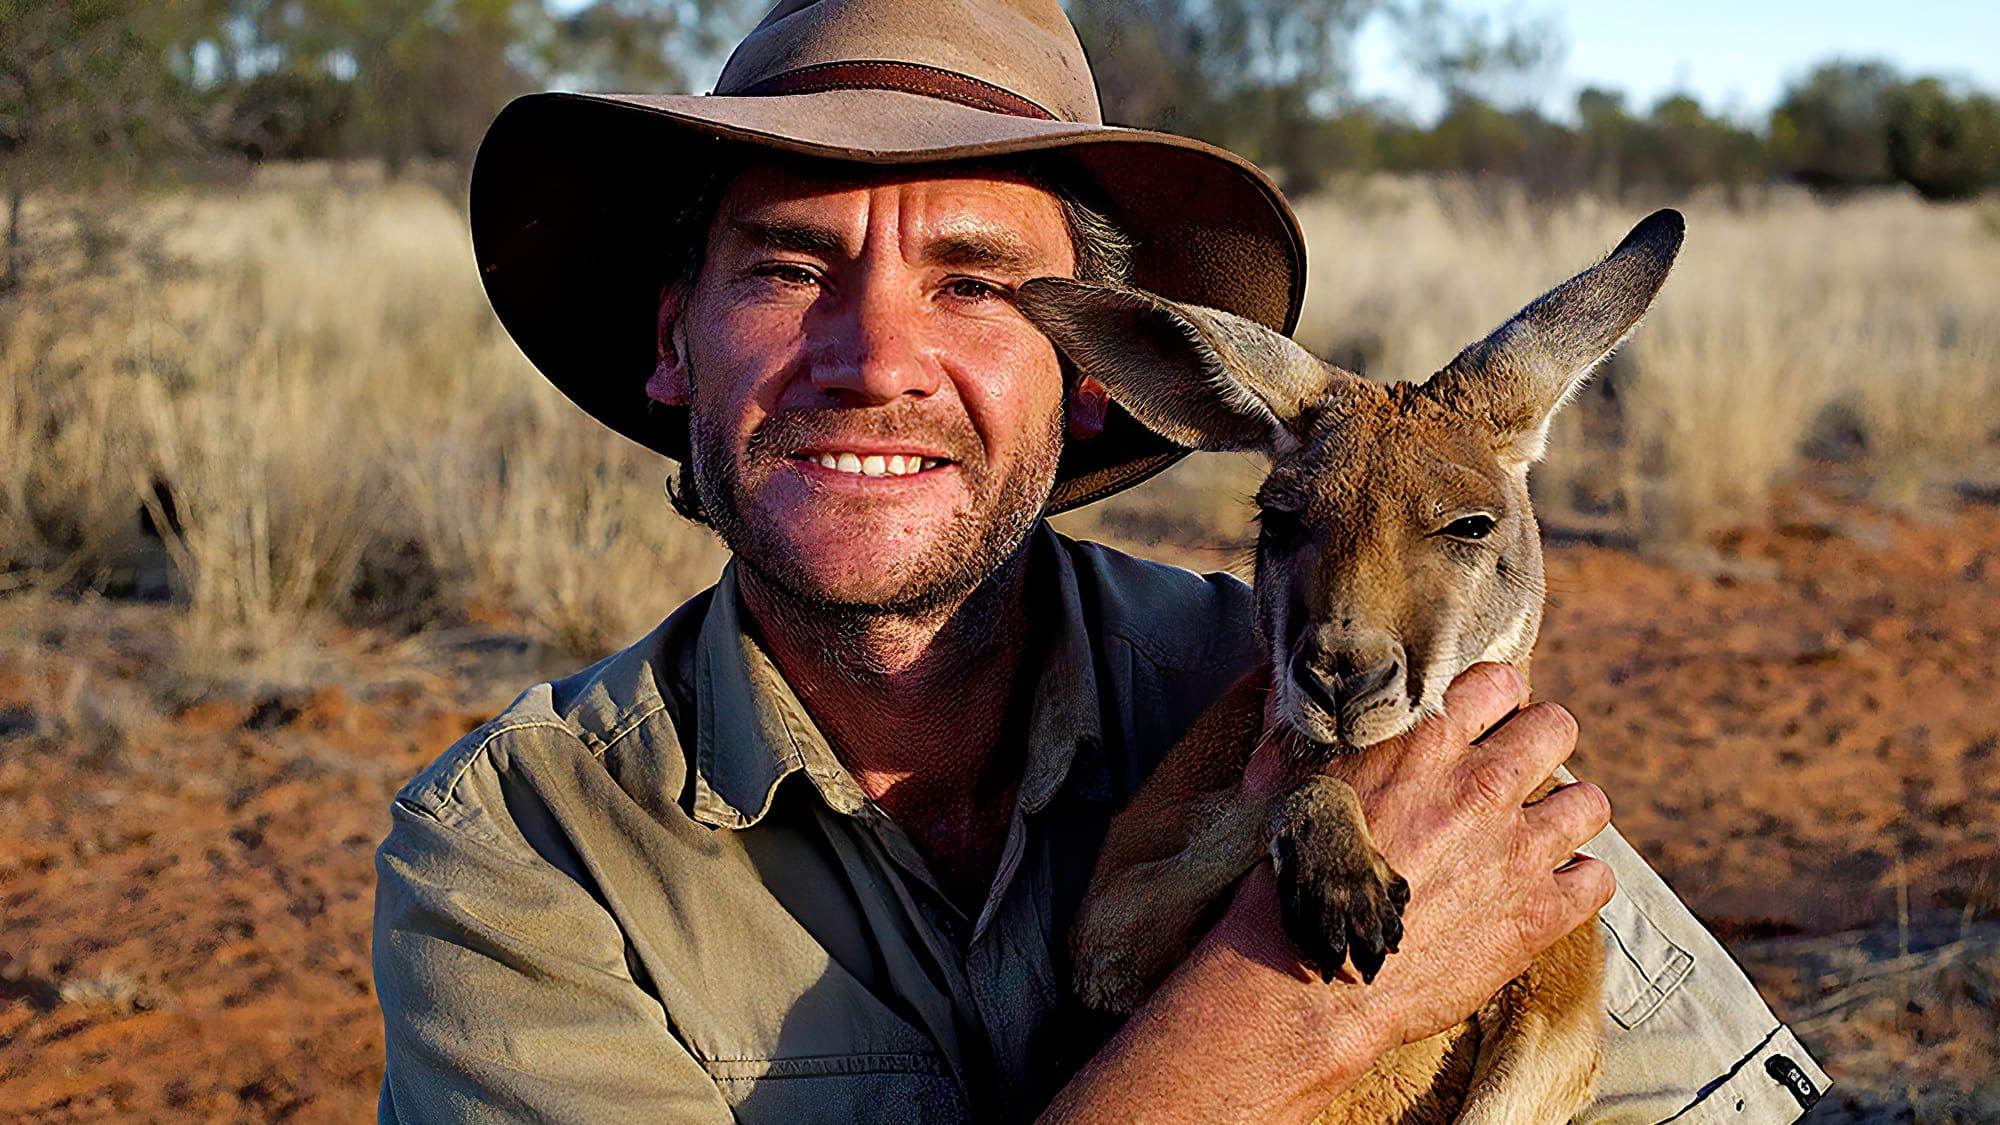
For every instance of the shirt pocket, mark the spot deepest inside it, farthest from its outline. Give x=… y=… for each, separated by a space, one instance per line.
x=1642 y=965
x=885 y=1087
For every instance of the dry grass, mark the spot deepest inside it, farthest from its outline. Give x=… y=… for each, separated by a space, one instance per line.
x=302 y=385
x=308 y=396
x=1782 y=320
x=1911 y=1034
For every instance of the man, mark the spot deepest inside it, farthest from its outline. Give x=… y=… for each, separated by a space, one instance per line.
x=810 y=850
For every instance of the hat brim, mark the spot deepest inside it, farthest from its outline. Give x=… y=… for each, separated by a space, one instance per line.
x=573 y=199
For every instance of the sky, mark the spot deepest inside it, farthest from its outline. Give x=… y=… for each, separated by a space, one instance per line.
x=1734 y=56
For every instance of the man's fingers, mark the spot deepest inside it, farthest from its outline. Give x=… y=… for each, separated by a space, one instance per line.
x=1585 y=884
x=1522 y=754
x=1481 y=697
x=1565 y=820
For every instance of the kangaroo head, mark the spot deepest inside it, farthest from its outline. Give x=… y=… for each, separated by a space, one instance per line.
x=1396 y=545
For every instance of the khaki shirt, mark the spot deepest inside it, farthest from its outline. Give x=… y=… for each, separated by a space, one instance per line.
x=650 y=891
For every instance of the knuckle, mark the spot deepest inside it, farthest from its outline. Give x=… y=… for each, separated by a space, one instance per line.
x=1550 y=917
x=1595 y=803
x=1552 y=721
x=1525 y=852
x=1596 y=882
x=1480 y=697
x=1504 y=678
x=1492 y=781
x=1494 y=682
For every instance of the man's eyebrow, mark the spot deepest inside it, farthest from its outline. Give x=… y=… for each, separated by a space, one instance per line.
x=787 y=234
x=983 y=249
x=962 y=248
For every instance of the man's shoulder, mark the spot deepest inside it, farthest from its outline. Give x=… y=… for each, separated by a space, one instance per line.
x=583 y=714
x=456 y=788
x=1175 y=617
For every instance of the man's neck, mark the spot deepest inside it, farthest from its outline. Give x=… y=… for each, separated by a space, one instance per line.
x=914 y=706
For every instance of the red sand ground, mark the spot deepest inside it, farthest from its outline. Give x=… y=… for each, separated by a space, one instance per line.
x=1803 y=739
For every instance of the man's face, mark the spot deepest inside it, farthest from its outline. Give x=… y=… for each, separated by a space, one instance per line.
x=874 y=426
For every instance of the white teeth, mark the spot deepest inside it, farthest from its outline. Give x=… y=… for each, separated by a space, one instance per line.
x=875 y=464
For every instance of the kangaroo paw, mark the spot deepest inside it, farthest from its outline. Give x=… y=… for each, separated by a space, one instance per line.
x=1337 y=896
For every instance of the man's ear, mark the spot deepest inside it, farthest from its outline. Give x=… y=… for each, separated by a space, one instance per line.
x=1199 y=377
x=1517 y=378
x=668 y=385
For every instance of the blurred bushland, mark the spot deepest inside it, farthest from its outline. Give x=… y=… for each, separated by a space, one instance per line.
x=286 y=400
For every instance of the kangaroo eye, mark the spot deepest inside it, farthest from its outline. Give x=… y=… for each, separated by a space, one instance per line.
x=1280 y=527
x=1474 y=527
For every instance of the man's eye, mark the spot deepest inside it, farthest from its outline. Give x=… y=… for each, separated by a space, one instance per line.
x=973 y=289
x=787 y=273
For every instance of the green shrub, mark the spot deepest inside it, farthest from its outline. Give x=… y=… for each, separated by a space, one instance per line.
x=1945 y=147
x=1828 y=132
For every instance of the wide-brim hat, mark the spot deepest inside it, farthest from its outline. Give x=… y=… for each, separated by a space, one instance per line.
x=576 y=198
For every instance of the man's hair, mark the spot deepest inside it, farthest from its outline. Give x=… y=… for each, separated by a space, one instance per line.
x=1101 y=245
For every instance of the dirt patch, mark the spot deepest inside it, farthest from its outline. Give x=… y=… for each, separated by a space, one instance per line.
x=1805 y=737
x=1801 y=732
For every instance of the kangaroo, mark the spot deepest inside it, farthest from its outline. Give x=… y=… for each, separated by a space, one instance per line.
x=1396 y=548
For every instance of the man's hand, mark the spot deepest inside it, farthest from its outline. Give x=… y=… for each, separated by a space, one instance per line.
x=1493 y=881
x=1241 y=1030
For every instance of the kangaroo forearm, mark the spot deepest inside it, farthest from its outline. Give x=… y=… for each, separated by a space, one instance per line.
x=1140 y=919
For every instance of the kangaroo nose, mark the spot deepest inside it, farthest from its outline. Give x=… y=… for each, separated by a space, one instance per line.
x=1337 y=687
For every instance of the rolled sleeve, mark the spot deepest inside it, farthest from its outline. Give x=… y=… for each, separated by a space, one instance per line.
x=1689 y=1039
x=506 y=994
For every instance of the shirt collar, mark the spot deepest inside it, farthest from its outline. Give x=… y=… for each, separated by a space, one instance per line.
x=752 y=732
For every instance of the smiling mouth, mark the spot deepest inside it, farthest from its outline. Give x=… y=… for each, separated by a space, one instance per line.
x=872 y=464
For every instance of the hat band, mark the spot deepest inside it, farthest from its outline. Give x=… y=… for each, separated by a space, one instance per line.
x=901 y=78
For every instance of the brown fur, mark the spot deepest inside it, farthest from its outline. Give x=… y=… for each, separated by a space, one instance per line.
x=1398 y=548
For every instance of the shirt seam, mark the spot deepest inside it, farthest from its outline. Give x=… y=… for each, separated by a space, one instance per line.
x=1658 y=986
x=497 y=846
x=450 y=794
x=1143 y=646
x=1702 y=1097
x=633 y=724
x=922 y=1056
x=1168 y=660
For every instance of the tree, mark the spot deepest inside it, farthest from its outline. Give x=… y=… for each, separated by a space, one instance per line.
x=641 y=44
x=85 y=85
x=1829 y=132
x=1945 y=147
x=1476 y=56
x=1686 y=148
x=1610 y=144
x=1262 y=77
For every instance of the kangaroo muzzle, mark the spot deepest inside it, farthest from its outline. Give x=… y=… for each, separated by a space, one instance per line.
x=1350 y=682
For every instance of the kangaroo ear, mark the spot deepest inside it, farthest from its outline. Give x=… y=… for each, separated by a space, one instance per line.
x=1518 y=377
x=1199 y=377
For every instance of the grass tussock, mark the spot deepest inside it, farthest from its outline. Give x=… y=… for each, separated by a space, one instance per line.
x=296 y=395
x=302 y=400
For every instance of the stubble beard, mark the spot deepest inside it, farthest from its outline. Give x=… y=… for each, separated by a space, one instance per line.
x=977 y=543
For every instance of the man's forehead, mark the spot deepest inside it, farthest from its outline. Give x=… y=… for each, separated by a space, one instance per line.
x=984 y=200
x=776 y=178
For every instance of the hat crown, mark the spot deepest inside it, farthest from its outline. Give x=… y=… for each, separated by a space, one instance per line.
x=1025 y=47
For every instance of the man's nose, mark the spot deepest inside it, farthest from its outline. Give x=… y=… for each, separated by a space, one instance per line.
x=872 y=349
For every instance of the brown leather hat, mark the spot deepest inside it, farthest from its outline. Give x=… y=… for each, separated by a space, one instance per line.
x=575 y=196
